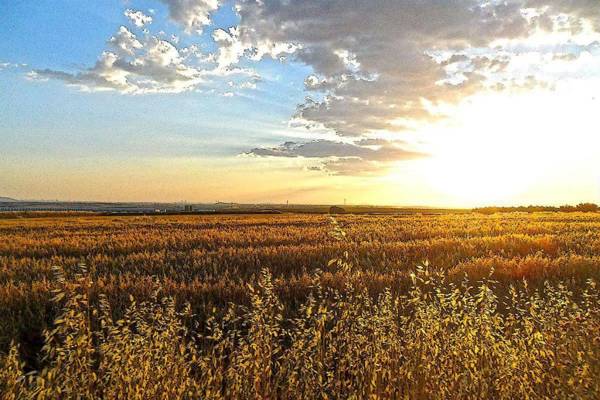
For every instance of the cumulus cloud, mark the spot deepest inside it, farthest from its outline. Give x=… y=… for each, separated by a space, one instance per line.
x=230 y=46
x=134 y=67
x=192 y=15
x=125 y=41
x=374 y=63
x=151 y=64
x=385 y=66
x=138 y=18
x=371 y=61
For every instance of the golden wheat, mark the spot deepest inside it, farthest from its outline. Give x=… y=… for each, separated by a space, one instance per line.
x=301 y=307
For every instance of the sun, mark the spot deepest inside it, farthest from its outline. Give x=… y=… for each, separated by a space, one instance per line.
x=499 y=146
x=478 y=177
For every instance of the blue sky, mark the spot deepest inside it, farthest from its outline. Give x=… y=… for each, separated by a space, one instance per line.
x=51 y=119
x=388 y=103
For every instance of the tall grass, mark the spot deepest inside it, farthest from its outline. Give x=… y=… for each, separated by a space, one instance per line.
x=441 y=340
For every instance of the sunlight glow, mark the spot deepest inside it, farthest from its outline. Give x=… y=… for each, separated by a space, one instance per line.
x=501 y=145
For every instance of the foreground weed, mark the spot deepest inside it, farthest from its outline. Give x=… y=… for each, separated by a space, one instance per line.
x=441 y=340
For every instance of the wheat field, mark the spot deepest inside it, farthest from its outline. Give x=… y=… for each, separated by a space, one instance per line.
x=293 y=306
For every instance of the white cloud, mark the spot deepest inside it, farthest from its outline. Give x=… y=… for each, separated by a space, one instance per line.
x=125 y=41
x=138 y=18
x=7 y=65
x=193 y=15
x=152 y=66
x=230 y=46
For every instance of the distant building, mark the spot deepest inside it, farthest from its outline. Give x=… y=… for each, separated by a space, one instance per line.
x=336 y=210
x=188 y=208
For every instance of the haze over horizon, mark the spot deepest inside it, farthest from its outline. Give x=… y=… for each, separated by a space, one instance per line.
x=459 y=103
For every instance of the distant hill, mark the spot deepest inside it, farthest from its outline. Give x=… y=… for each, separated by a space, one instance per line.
x=7 y=199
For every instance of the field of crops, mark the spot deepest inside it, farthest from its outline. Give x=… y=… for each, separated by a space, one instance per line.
x=501 y=306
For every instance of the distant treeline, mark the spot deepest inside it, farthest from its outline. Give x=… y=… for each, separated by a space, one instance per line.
x=44 y=214
x=582 y=207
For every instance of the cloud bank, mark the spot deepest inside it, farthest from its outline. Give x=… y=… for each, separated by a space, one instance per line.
x=378 y=66
x=381 y=63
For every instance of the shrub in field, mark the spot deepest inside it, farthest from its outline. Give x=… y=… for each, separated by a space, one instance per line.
x=440 y=340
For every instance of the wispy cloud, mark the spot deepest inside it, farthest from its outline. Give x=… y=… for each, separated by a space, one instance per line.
x=339 y=158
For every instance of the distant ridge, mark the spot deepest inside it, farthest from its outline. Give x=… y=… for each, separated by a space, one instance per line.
x=7 y=199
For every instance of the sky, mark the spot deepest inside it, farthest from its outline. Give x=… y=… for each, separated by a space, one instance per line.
x=454 y=103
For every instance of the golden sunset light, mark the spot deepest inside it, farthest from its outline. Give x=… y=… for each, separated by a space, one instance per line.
x=300 y=199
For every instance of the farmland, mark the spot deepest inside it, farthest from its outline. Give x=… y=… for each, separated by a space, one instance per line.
x=402 y=272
